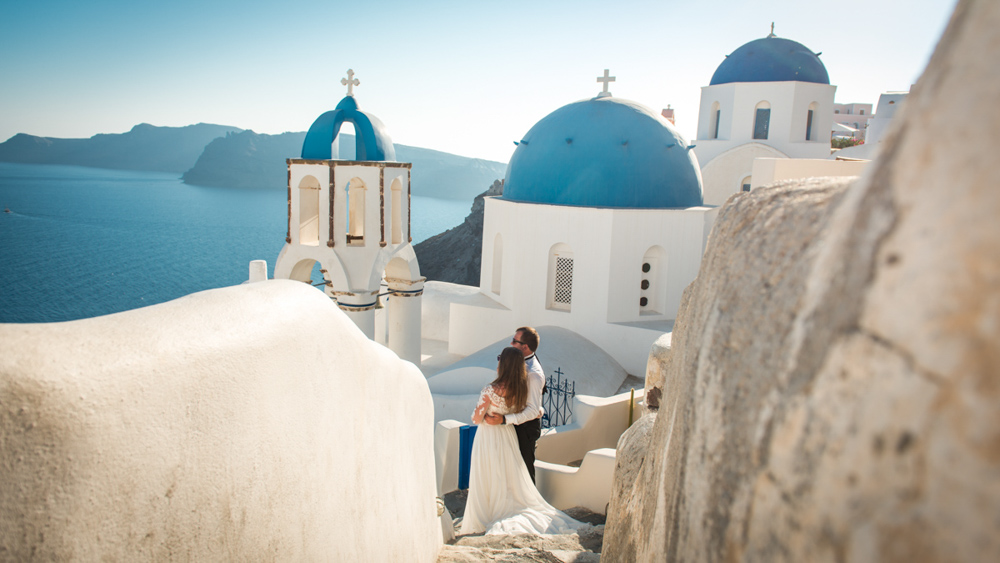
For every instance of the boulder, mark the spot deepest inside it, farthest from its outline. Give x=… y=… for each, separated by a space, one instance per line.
x=832 y=391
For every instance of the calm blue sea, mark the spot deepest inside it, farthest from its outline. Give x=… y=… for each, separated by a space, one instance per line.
x=83 y=242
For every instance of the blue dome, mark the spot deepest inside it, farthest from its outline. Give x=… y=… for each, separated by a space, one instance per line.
x=604 y=152
x=371 y=138
x=771 y=59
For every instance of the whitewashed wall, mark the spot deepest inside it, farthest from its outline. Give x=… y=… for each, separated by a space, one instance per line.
x=789 y=108
x=769 y=170
x=608 y=246
x=249 y=423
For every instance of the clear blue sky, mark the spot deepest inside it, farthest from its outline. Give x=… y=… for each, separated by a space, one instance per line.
x=465 y=77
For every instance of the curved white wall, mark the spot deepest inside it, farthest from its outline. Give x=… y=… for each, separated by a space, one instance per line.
x=247 y=423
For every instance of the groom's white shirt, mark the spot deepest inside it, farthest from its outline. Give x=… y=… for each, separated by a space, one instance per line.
x=536 y=381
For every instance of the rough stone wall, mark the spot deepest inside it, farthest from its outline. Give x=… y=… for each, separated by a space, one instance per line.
x=251 y=423
x=832 y=392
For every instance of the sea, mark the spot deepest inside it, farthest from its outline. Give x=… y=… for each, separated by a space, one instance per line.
x=81 y=242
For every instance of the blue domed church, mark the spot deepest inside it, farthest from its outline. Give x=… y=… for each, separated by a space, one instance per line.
x=770 y=98
x=600 y=227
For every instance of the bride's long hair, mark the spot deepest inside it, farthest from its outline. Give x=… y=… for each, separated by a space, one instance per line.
x=512 y=378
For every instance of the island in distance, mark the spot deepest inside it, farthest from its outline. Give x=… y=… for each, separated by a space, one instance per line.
x=225 y=156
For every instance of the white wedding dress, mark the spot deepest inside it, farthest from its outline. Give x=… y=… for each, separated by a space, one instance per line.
x=502 y=499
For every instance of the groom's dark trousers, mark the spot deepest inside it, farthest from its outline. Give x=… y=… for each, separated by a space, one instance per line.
x=527 y=435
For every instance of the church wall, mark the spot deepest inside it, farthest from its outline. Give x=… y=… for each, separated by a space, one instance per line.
x=789 y=103
x=769 y=170
x=608 y=246
x=724 y=95
x=723 y=176
x=358 y=263
x=228 y=424
x=679 y=232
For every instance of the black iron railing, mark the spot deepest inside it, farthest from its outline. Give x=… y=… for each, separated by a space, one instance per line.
x=558 y=400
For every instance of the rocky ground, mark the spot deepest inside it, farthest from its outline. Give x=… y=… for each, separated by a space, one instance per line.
x=576 y=548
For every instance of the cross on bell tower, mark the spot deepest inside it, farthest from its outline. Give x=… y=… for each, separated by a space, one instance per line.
x=350 y=82
x=605 y=79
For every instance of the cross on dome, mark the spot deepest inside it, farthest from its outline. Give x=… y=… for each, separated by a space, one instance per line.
x=350 y=82
x=606 y=80
x=772 y=31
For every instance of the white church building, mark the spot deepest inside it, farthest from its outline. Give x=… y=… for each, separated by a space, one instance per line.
x=600 y=227
x=770 y=98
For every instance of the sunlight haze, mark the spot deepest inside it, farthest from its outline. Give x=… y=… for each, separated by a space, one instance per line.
x=468 y=78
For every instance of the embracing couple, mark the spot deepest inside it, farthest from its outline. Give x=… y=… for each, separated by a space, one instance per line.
x=502 y=494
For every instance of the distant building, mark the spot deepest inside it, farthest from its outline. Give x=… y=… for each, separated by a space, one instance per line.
x=875 y=127
x=771 y=97
x=854 y=118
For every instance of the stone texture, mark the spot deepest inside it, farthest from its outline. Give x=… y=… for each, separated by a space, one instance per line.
x=832 y=390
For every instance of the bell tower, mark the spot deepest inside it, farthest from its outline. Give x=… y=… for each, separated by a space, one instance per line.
x=352 y=217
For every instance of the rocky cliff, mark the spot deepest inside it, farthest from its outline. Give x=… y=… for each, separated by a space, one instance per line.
x=455 y=255
x=832 y=389
x=253 y=160
x=144 y=147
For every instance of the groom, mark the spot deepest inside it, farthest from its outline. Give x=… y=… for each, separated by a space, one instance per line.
x=528 y=422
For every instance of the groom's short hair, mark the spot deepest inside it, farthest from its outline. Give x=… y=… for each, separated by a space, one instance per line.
x=529 y=337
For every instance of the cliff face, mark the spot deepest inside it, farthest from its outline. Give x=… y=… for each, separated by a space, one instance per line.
x=252 y=160
x=246 y=160
x=144 y=147
x=455 y=255
x=832 y=392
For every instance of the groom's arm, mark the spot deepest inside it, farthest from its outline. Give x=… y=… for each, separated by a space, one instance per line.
x=533 y=408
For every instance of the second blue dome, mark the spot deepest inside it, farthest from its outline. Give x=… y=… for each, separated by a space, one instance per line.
x=604 y=152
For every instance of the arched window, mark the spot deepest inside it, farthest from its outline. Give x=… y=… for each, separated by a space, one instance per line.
x=356 y=211
x=560 y=286
x=397 y=210
x=745 y=184
x=713 y=124
x=497 y=263
x=652 y=285
x=811 y=122
x=762 y=120
x=309 y=211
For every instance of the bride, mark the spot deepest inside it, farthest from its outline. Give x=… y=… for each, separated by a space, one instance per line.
x=502 y=498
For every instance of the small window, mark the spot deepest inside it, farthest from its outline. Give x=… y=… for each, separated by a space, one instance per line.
x=356 y=211
x=811 y=122
x=559 y=281
x=745 y=184
x=309 y=191
x=714 y=122
x=396 y=189
x=762 y=120
x=652 y=288
x=862 y=112
x=497 y=263
x=562 y=293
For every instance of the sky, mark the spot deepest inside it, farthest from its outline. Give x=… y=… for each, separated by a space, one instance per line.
x=466 y=77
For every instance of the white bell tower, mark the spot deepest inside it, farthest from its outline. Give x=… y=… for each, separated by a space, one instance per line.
x=353 y=218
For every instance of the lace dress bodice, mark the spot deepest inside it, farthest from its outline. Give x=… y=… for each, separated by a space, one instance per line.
x=498 y=406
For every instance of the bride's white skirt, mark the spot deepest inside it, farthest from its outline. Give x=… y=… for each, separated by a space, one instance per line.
x=502 y=499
